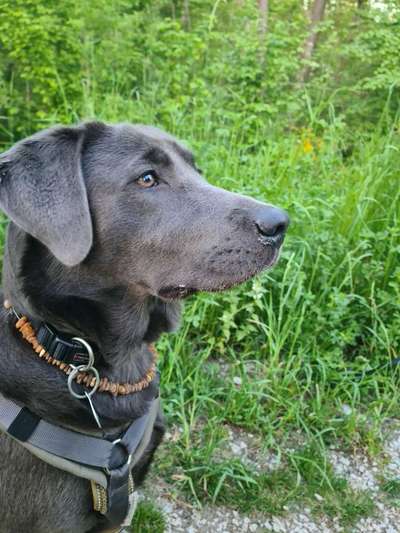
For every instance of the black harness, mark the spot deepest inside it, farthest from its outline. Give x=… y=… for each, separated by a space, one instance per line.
x=106 y=463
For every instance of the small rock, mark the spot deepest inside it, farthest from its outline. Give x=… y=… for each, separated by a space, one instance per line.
x=346 y=409
x=277 y=525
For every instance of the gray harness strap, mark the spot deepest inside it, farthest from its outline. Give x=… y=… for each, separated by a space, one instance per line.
x=107 y=463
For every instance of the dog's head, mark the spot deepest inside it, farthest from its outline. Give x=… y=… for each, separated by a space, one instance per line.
x=130 y=201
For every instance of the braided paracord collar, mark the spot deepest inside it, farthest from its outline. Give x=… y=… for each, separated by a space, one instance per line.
x=83 y=378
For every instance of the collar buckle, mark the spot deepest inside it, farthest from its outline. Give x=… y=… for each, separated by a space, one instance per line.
x=69 y=352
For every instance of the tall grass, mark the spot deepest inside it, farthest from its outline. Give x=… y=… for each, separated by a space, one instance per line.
x=313 y=339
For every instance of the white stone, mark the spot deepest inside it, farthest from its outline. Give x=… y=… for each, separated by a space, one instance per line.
x=346 y=409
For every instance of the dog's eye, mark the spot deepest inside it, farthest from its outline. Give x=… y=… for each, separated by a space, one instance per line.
x=147 y=180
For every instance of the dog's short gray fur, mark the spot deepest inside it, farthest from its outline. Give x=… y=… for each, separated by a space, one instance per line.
x=96 y=255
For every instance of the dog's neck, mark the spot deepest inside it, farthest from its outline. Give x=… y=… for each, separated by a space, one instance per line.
x=118 y=321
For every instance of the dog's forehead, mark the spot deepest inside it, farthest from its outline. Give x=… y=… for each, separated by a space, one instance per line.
x=145 y=139
x=122 y=151
x=145 y=132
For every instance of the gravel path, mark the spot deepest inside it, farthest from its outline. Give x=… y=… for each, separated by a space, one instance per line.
x=360 y=472
x=181 y=518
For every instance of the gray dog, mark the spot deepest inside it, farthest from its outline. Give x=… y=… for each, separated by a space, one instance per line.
x=111 y=225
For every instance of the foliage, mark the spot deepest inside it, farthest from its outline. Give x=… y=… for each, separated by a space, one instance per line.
x=40 y=60
x=61 y=61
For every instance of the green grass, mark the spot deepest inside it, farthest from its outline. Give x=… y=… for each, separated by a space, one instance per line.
x=392 y=488
x=308 y=479
x=316 y=333
x=148 y=519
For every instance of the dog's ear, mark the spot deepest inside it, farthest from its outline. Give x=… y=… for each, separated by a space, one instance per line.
x=42 y=190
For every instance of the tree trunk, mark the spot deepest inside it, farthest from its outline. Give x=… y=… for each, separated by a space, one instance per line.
x=263 y=22
x=317 y=14
x=186 y=15
x=262 y=27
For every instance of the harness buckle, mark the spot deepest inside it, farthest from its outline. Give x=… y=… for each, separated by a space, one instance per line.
x=119 y=449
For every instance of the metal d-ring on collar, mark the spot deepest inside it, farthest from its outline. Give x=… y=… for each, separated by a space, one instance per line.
x=84 y=368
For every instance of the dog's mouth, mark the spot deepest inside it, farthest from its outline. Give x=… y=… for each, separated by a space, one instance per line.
x=181 y=291
x=176 y=293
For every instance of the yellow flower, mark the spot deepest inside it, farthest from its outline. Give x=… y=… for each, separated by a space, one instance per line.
x=307 y=146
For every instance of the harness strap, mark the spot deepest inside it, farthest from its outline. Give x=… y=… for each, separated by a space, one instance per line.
x=99 y=460
x=92 y=451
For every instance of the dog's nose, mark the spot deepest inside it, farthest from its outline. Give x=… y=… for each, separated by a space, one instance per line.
x=272 y=223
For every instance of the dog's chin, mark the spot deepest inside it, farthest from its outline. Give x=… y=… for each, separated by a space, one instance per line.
x=184 y=290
